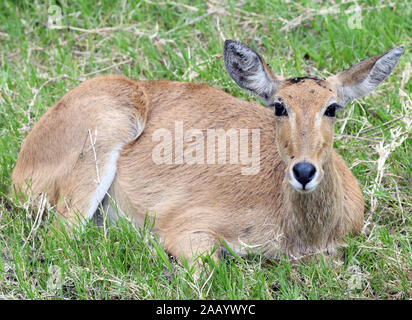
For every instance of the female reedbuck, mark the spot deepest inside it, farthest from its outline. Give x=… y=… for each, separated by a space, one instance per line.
x=94 y=150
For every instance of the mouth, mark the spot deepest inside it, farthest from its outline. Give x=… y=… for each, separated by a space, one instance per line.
x=308 y=187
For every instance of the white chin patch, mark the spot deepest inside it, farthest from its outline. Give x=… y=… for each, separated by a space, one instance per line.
x=311 y=185
x=308 y=187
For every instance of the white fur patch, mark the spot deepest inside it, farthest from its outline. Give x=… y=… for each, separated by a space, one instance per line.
x=105 y=182
x=310 y=186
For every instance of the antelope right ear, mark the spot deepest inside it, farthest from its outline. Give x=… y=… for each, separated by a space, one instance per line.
x=249 y=70
x=364 y=77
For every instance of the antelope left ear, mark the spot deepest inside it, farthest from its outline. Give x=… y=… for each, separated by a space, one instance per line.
x=364 y=77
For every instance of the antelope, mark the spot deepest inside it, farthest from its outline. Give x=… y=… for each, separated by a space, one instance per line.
x=93 y=152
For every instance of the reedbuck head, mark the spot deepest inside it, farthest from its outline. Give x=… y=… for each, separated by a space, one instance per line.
x=305 y=108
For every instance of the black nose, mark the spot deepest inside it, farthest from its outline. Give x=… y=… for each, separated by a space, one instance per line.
x=304 y=172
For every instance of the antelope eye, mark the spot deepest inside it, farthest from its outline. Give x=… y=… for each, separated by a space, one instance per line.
x=280 y=110
x=331 y=110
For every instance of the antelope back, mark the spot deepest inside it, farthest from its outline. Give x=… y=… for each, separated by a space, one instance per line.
x=72 y=151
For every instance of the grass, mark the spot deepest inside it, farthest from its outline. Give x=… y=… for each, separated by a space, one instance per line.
x=47 y=48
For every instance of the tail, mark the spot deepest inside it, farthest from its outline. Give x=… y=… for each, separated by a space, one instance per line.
x=71 y=153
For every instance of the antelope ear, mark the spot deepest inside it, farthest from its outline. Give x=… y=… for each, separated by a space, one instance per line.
x=364 y=77
x=249 y=70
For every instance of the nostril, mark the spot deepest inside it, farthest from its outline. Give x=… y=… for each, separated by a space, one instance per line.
x=296 y=172
x=304 y=172
x=312 y=172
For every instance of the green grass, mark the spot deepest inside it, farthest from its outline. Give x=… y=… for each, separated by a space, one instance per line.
x=168 y=40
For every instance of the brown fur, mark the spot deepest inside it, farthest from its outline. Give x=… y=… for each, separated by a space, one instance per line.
x=195 y=206
x=96 y=145
x=57 y=157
